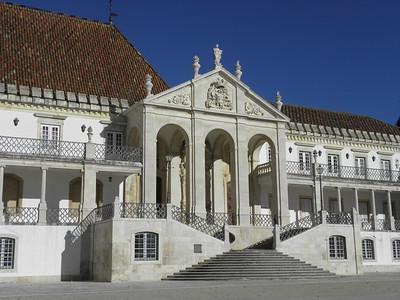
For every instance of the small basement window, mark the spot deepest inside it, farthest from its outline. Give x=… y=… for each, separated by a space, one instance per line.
x=7 y=253
x=337 y=247
x=146 y=246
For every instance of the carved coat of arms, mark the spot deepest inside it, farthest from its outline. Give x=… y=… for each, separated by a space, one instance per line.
x=217 y=96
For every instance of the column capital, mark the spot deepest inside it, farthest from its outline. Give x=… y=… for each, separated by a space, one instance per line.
x=44 y=168
x=2 y=166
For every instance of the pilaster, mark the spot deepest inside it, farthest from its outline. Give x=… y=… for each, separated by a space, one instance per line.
x=43 y=204
x=89 y=190
x=1 y=194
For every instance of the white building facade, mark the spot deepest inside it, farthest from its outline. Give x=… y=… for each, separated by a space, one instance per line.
x=107 y=189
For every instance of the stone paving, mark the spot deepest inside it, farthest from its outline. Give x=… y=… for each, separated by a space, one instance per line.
x=377 y=286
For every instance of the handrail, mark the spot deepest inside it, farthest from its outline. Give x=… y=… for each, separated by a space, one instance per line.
x=299 y=226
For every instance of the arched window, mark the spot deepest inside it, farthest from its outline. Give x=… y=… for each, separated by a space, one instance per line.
x=146 y=246
x=368 y=249
x=7 y=251
x=396 y=249
x=337 y=247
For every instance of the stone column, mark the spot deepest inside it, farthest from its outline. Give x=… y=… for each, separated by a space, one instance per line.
x=339 y=199
x=375 y=223
x=89 y=190
x=242 y=178
x=1 y=194
x=282 y=195
x=198 y=171
x=149 y=159
x=390 y=212
x=356 y=200
x=43 y=204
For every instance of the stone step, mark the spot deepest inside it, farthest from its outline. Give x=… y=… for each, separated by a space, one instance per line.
x=251 y=264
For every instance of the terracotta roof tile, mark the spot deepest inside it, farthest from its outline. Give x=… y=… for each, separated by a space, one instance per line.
x=61 y=52
x=316 y=116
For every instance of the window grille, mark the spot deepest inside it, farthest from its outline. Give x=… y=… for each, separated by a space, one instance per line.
x=368 y=249
x=7 y=250
x=337 y=247
x=146 y=246
x=396 y=249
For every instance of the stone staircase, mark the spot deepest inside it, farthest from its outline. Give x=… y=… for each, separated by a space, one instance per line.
x=251 y=264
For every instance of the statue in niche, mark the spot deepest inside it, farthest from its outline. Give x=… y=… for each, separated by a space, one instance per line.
x=182 y=175
x=217 y=96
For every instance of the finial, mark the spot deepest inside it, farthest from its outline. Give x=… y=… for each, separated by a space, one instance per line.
x=196 y=66
x=148 y=85
x=90 y=133
x=217 y=57
x=278 y=102
x=238 y=70
x=110 y=19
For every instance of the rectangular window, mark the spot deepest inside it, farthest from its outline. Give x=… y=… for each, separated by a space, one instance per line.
x=113 y=144
x=50 y=135
x=337 y=247
x=333 y=164
x=7 y=249
x=368 y=249
x=304 y=161
x=360 y=170
x=385 y=166
x=146 y=246
x=396 y=249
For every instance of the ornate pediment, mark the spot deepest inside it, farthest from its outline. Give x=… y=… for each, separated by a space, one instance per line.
x=218 y=96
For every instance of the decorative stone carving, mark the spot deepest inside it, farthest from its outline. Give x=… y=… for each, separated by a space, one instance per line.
x=183 y=99
x=217 y=96
x=217 y=56
x=252 y=109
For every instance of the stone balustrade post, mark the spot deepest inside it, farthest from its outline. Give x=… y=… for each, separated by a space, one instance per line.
x=117 y=208
x=323 y=216
x=90 y=150
x=43 y=204
x=169 y=211
x=277 y=237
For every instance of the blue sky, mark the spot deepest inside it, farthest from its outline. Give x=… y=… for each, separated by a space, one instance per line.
x=340 y=55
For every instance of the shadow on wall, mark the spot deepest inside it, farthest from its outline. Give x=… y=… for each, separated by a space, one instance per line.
x=75 y=259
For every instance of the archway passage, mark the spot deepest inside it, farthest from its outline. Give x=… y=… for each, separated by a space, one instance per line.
x=262 y=181
x=12 y=190
x=75 y=192
x=172 y=167
x=220 y=178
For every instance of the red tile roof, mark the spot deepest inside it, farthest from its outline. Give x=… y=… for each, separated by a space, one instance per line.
x=316 y=116
x=45 y=49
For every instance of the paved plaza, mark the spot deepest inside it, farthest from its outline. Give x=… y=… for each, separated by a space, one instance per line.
x=366 y=287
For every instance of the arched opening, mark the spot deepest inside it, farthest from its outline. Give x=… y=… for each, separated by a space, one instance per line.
x=219 y=176
x=75 y=193
x=132 y=182
x=172 y=168
x=12 y=190
x=262 y=183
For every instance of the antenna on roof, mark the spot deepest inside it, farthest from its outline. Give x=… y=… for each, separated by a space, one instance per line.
x=111 y=13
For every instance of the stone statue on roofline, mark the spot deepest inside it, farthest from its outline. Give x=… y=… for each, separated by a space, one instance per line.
x=217 y=56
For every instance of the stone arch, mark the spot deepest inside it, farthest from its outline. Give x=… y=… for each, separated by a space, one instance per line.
x=75 y=193
x=220 y=178
x=12 y=190
x=172 y=177
x=262 y=180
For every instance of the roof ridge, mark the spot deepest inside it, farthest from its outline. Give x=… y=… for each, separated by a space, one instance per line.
x=59 y=14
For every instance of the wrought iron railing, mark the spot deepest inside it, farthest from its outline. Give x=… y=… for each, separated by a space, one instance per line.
x=261 y=220
x=143 y=210
x=300 y=226
x=264 y=168
x=98 y=214
x=37 y=148
x=122 y=153
x=21 y=215
x=197 y=223
x=299 y=168
x=221 y=218
x=339 y=218
x=366 y=224
x=62 y=216
x=382 y=225
x=397 y=225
